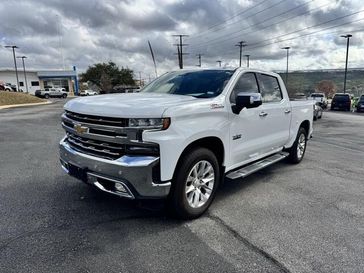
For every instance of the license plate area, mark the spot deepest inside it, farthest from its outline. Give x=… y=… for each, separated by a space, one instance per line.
x=77 y=172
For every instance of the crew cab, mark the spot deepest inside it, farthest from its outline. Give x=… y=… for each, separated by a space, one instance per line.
x=183 y=134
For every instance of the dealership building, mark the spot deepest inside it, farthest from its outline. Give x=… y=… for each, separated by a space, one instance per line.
x=40 y=79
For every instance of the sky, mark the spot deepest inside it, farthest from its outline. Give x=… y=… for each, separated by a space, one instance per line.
x=57 y=34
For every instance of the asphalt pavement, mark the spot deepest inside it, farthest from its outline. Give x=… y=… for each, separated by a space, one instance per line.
x=286 y=218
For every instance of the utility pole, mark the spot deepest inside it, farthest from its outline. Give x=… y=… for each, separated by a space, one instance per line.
x=199 y=59
x=140 y=79
x=16 y=68
x=247 y=60
x=241 y=44
x=347 y=57
x=287 y=48
x=219 y=63
x=180 y=46
x=25 y=74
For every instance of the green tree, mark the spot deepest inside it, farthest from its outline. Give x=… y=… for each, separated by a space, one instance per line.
x=107 y=75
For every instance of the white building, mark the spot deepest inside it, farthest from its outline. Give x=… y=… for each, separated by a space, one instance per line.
x=42 y=79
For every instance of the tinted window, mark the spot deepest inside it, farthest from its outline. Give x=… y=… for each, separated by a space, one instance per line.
x=269 y=88
x=21 y=83
x=317 y=95
x=247 y=83
x=35 y=83
x=361 y=98
x=200 y=84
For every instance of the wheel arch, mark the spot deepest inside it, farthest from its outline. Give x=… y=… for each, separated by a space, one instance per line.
x=213 y=143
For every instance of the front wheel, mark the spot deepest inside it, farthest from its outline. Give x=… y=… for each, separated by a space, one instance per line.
x=64 y=96
x=46 y=96
x=194 y=184
x=298 y=149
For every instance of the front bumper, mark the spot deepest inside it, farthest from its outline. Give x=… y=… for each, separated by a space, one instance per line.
x=134 y=173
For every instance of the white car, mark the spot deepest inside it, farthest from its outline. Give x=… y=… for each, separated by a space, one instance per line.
x=319 y=98
x=88 y=92
x=183 y=134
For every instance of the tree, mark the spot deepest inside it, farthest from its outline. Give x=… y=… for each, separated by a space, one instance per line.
x=326 y=86
x=107 y=75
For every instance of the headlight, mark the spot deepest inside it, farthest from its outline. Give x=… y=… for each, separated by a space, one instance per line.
x=150 y=123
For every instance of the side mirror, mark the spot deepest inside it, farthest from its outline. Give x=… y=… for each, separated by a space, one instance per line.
x=247 y=100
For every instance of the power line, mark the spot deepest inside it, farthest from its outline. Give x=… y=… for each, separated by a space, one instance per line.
x=232 y=17
x=306 y=28
x=218 y=39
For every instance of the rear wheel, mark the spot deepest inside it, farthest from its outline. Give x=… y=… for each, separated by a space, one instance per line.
x=46 y=96
x=195 y=184
x=64 y=96
x=298 y=149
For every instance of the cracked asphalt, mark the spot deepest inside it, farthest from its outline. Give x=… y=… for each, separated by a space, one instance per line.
x=286 y=218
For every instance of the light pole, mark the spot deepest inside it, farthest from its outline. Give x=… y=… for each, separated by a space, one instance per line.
x=347 y=56
x=287 y=48
x=219 y=63
x=247 y=60
x=16 y=68
x=25 y=75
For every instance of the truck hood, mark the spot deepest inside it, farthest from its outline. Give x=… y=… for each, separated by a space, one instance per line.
x=130 y=105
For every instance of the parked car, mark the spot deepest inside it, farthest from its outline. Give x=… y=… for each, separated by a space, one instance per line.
x=341 y=101
x=183 y=133
x=6 y=87
x=317 y=113
x=360 y=104
x=319 y=98
x=51 y=93
x=88 y=92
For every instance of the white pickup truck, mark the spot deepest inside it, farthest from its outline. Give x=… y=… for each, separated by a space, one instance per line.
x=183 y=134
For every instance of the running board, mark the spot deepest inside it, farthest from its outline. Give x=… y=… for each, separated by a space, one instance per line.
x=256 y=166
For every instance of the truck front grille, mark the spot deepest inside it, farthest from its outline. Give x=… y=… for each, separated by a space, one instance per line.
x=117 y=122
x=105 y=137
x=96 y=148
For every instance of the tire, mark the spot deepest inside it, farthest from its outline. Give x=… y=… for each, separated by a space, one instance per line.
x=315 y=117
x=297 y=151
x=64 y=96
x=46 y=96
x=191 y=205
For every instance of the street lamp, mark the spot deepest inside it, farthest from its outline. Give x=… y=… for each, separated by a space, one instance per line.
x=25 y=75
x=16 y=68
x=219 y=63
x=347 y=56
x=287 y=48
x=247 y=60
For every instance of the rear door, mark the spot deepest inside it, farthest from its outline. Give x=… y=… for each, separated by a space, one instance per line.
x=275 y=112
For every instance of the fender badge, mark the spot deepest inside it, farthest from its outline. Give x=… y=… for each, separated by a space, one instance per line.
x=216 y=106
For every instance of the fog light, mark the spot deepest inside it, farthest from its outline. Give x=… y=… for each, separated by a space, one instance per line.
x=120 y=187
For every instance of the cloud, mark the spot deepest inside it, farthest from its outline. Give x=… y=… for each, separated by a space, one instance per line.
x=86 y=32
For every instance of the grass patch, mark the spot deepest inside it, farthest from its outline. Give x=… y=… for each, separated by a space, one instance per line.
x=11 y=98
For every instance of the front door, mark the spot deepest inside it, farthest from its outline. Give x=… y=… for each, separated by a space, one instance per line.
x=248 y=130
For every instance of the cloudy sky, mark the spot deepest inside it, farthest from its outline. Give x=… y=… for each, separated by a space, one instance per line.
x=89 y=31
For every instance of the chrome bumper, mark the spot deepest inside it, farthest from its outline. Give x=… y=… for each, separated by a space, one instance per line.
x=133 y=174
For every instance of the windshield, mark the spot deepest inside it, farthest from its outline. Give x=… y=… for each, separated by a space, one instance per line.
x=200 y=84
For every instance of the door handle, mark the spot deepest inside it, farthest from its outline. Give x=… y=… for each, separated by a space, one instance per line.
x=287 y=111
x=263 y=114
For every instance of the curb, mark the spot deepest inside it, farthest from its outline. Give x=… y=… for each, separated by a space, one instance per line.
x=24 y=104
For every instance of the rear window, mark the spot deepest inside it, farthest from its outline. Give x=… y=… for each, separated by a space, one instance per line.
x=341 y=98
x=361 y=98
x=317 y=95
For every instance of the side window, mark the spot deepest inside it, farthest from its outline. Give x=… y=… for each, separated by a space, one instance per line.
x=247 y=83
x=269 y=88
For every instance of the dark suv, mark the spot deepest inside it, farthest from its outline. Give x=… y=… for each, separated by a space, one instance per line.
x=341 y=102
x=360 y=104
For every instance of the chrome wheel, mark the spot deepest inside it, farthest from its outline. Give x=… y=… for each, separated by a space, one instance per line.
x=301 y=145
x=200 y=183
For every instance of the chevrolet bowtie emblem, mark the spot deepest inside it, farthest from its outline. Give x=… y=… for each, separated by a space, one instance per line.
x=80 y=129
